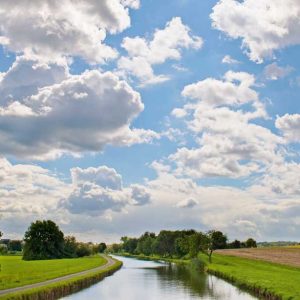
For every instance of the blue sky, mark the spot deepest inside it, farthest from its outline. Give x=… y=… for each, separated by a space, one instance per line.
x=139 y=111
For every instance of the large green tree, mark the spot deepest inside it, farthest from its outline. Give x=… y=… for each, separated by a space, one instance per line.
x=43 y=240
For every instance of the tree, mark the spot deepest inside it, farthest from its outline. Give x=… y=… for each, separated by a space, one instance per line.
x=1 y=234
x=145 y=243
x=43 y=240
x=15 y=245
x=251 y=243
x=3 y=249
x=236 y=244
x=70 y=247
x=83 y=250
x=195 y=242
x=216 y=240
x=102 y=247
x=129 y=244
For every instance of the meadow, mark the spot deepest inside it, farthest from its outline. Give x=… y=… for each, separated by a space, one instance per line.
x=16 y=272
x=258 y=275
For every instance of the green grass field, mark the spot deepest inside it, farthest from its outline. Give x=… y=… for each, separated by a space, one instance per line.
x=16 y=272
x=70 y=284
x=281 y=280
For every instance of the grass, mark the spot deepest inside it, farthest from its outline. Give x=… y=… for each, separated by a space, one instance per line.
x=276 y=279
x=64 y=288
x=16 y=272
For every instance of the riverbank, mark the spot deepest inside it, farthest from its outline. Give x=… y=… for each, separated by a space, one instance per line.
x=63 y=286
x=263 y=279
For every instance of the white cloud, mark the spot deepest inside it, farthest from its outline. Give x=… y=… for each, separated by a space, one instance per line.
x=102 y=176
x=59 y=121
x=264 y=26
x=100 y=190
x=166 y=44
x=228 y=143
x=289 y=125
x=275 y=72
x=235 y=90
x=282 y=180
x=48 y=30
x=227 y=59
x=134 y=4
x=28 y=189
x=26 y=76
x=140 y=195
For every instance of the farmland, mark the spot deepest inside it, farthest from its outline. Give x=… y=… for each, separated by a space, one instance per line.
x=289 y=256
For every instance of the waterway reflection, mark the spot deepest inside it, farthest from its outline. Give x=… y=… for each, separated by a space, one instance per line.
x=147 y=280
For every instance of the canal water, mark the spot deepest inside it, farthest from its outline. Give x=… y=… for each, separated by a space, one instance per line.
x=147 y=280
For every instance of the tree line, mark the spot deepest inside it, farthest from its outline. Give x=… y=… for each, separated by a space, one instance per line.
x=178 y=244
x=44 y=240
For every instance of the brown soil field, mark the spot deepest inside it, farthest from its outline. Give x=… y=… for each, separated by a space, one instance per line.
x=281 y=255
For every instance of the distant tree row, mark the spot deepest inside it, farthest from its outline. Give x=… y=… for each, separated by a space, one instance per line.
x=184 y=243
x=44 y=240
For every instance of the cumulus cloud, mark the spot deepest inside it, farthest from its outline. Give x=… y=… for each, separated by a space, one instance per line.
x=102 y=176
x=26 y=76
x=264 y=26
x=82 y=113
x=282 y=180
x=140 y=195
x=289 y=125
x=99 y=190
x=229 y=144
x=48 y=30
x=275 y=72
x=166 y=44
x=235 y=90
x=28 y=189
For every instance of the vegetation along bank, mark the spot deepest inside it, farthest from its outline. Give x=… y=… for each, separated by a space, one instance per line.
x=265 y=279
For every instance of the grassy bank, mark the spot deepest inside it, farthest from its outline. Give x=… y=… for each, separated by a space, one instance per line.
x=17 y=272
x=267 y=280
x=264 y=279
x=64 y=288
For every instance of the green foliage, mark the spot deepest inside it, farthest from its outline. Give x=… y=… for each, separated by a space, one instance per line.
x=102 y=247
x=236 y=244
x=169 y=244
x=43 y=240
x=83 y=250
x=145 y=243
x=251 y=243
x=129 y=244
x=70 y=247
x=3 y=249
x=15 y=245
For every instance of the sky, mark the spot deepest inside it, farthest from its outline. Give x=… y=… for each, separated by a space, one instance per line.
x=124 y=116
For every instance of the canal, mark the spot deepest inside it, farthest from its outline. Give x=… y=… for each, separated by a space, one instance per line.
x=147 y=280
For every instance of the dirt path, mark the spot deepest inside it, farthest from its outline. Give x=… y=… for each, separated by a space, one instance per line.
x=281 y=255
x=110 y=262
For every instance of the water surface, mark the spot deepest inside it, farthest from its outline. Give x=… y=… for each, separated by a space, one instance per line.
x=147 y=280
